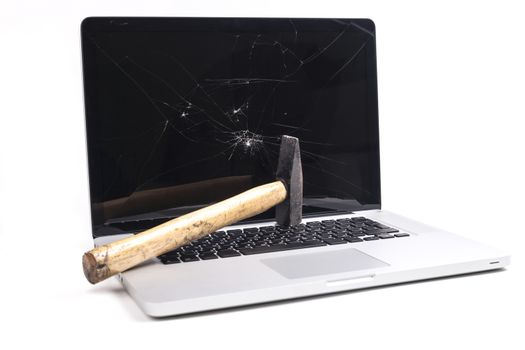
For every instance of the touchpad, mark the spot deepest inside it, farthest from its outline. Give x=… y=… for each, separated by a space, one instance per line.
x=324 y=263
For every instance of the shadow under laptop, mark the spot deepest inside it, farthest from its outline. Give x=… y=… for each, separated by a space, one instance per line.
x=295 y=300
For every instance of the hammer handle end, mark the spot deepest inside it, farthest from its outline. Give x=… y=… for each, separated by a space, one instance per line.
x=110 y=259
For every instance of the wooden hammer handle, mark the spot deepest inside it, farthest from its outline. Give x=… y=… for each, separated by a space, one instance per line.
x=113 y=258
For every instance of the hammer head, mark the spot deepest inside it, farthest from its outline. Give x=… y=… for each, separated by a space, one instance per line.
x=290 y=172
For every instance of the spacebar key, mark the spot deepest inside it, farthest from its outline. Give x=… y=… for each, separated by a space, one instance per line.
x=280 y=247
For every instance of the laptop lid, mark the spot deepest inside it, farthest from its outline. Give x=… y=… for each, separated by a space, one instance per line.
x=184 y=112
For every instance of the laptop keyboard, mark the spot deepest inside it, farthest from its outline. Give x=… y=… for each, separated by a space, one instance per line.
x=267 y=239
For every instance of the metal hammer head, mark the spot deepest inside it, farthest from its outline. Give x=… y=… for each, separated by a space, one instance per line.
x=290 y=172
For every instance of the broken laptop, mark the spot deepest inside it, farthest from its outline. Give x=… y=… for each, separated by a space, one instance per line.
x=185 y=112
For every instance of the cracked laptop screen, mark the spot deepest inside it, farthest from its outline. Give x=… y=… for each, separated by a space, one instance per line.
x=181 y=113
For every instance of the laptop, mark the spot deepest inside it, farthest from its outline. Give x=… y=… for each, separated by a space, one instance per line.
x=185 y=112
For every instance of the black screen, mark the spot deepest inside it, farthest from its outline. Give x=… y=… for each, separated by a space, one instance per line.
x=184 y=112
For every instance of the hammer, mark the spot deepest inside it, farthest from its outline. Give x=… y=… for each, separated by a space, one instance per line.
x=286 y=193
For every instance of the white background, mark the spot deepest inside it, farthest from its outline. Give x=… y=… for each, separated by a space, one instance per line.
x=451 y=98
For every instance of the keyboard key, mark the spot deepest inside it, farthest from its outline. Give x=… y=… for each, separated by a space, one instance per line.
x=358 y=234
x=208 y=256
x=226 y=253
x=371 y=238
x=340 y=234
x=354 y=239
x=380 y=231
x=333 y=241
x=260 y=250
x=188 y=250
x=293 y=238
x=385 y=236
x=170 y=260
x=378 y=225
x=312 y=242
x=188 y=258
x=402 y=235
